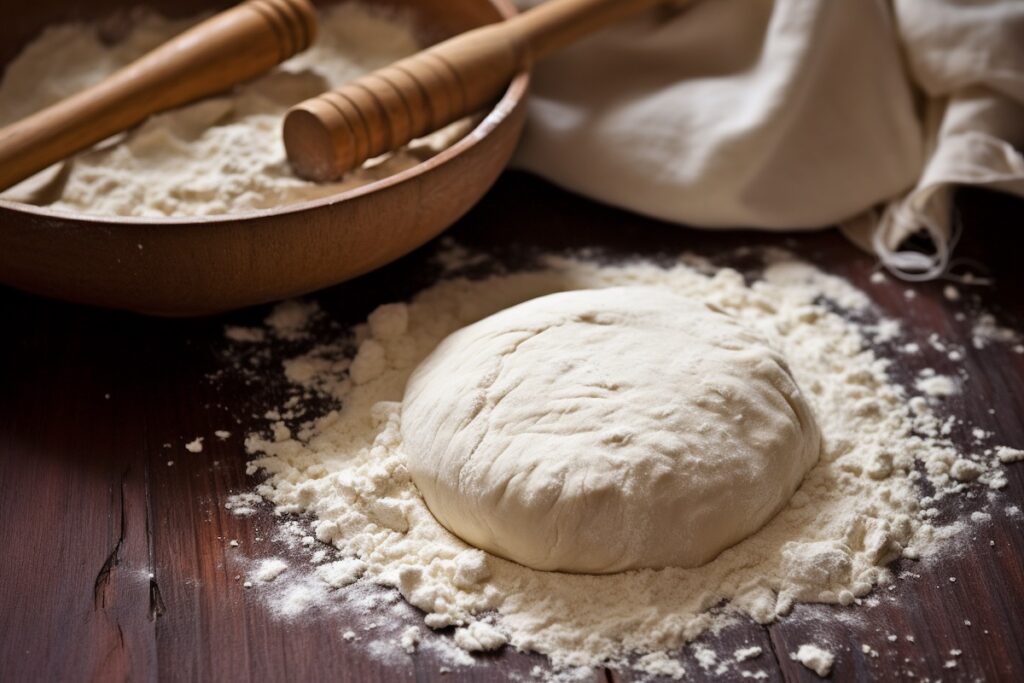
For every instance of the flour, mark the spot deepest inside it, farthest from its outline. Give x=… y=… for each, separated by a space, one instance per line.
x=931 y=384
x=289 y=320
x=886 y=472
x=705 y=656
x=244 y=334
x=966 y=470
x=410 y=639
x=659 y=664
x=220 y=155
x=270 y=569
x=479 y=636
x=815 y=658
x=859 y=508
x=242 y=504
x=745 y=653
x=341 y=573
x=986 y=330
x=1008 y=455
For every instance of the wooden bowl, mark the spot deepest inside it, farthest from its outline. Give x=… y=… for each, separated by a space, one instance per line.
x=196 y=266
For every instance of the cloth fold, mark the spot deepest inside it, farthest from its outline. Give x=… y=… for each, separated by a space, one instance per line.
x=791 y=114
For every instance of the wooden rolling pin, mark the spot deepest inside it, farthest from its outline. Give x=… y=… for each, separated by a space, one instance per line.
x=329 y=135
x=226 y=49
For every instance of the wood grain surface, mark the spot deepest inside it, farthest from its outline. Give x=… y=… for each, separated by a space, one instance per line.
x=116 y=565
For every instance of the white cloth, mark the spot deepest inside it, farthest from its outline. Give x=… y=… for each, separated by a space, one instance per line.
x=784 y=114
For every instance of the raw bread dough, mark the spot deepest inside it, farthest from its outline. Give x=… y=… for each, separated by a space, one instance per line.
x=604 y=430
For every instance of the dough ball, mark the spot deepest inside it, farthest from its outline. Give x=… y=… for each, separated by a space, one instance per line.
x=603 y=430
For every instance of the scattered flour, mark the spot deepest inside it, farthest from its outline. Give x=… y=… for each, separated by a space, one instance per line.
x=195 y=445
x=342 y=572
x=243 y=504
x=859 y=508
x=936 y=385
x=886 y=330
x=987 y=330
x=1008 y=455
x=290 y=319
x=745 y=653
x=410 y=639
x=479 y=636
x=244 y=334
x=660 y=664
x=966 y=470
x=270 y=569
x=814 y=658
x=219 y=155
x=294 y=599
x=706 y=657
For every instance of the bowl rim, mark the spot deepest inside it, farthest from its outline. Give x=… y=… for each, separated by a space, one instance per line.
x=510 y=99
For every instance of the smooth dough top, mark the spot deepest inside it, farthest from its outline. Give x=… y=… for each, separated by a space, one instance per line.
x=604 y=430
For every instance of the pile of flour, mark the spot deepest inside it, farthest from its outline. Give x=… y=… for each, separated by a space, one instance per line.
x=220 y=155
x=863 y=505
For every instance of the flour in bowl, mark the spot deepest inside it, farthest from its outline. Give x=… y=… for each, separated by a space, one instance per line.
x=219 y=155
x=875 y=494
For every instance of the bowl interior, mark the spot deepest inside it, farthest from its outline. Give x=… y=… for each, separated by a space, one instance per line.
x=203 y=265
x=432 y=20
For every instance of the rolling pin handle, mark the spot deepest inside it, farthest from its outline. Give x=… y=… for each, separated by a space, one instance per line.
x=440 y=85
x=331 y=134
x=222 y=51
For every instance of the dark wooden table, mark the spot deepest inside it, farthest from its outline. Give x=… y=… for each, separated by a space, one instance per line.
x=114 y=565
